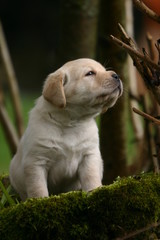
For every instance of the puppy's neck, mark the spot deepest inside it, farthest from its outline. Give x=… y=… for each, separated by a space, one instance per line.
x=68 y=116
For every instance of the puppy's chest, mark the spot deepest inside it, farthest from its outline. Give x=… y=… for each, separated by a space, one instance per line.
x=66 y=152
x=67 y=146
x=69 y=143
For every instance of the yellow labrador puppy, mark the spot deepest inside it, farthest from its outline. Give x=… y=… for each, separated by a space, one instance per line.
x=59 y=150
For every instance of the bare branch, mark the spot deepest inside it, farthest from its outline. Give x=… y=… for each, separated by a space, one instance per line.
x=4 y=54
x=151 y=46
x=135 y=233
x=7 y=125
x=147 y=116
x=147 y=11
x=9 y=130
x=124 y=36
x=148 y=69
x=134 y=52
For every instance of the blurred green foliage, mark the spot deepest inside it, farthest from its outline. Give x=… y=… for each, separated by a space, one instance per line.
x=28 y=100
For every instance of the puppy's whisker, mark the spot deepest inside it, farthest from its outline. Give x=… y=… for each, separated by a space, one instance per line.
x=125 y=90
x=106 y=63
x=109 y=69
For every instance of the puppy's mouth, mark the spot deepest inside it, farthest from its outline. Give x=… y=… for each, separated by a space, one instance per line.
x=117 y=89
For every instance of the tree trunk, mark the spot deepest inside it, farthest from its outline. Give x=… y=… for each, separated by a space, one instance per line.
x=78 y=36
x=113 y=123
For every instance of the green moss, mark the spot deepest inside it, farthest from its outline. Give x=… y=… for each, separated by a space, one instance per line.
x=127 y=205
x=60 y=217
x=109 y=212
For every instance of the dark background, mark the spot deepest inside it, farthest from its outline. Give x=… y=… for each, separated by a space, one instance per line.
x=32 y=30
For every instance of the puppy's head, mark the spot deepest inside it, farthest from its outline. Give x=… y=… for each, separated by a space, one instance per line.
x=83 y=82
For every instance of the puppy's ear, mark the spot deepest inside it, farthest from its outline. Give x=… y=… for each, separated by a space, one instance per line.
x=53 y=90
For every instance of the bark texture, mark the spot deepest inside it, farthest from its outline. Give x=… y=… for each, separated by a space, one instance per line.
x=113 y=123
x=78 y=37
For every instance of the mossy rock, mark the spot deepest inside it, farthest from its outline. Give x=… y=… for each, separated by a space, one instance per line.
x=110 y=212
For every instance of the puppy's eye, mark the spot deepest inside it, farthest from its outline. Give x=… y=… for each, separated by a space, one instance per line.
x=90 y=73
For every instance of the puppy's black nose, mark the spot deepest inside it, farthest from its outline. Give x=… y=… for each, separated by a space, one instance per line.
x=115 y=76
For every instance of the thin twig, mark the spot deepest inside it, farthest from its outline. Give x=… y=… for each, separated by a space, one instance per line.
x=147 y=11
x=147 y=68
x=156 y=121
x=158 y=49
x=6 y=60
x=124 y=36
x=137 y=232
x=135 y=52
x=151 y=46
x=148 y=137
x=146 y=116
x=9 y=130
x=130 y=42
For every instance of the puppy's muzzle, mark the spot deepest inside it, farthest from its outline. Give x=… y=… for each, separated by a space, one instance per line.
x=118 y=81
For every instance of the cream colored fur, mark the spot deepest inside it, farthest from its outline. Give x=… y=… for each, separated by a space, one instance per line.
x=59 y=150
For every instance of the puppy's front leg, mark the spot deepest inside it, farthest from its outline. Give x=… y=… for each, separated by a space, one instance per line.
x=36 y=181
x=90 y=172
